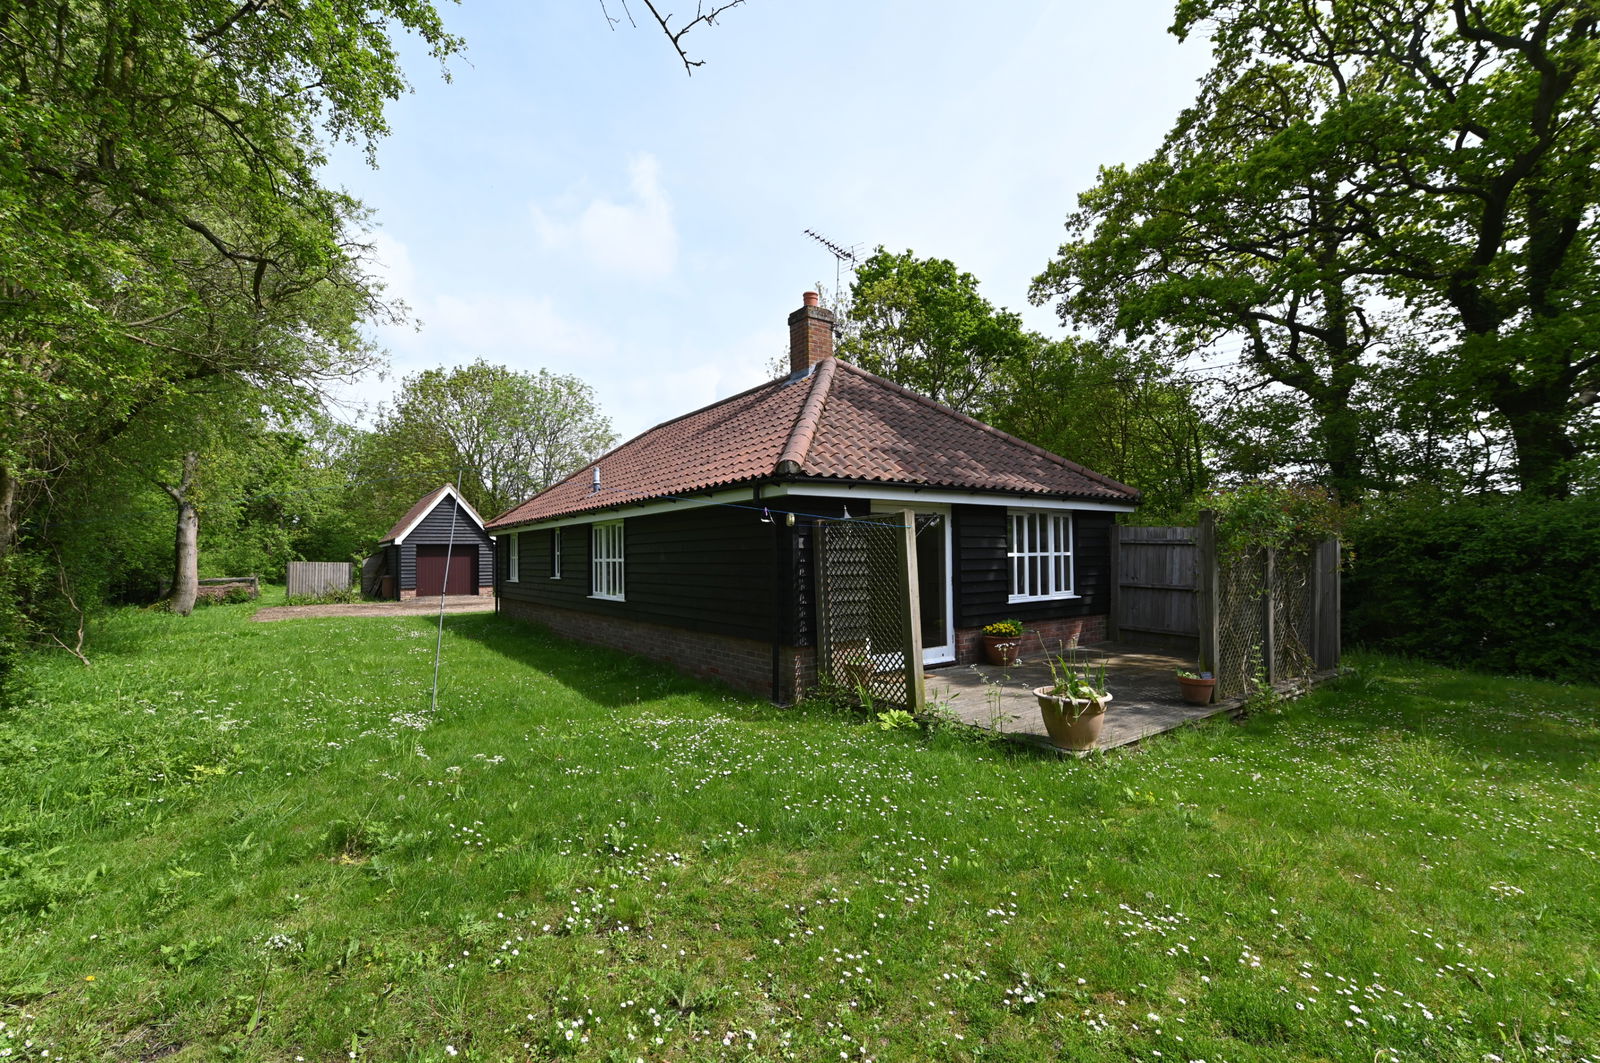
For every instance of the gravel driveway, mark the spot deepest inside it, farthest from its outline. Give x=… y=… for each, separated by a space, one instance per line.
x=456 y=603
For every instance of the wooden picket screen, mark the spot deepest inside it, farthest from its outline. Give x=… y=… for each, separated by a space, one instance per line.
x=313 y=579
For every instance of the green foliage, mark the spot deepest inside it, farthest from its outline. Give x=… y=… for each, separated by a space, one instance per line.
x=507 y=434
x=348 y=596
x=1004 y=629
x=896 y=720
x=164 y=237
x=1270 y=515
x=1072 y=678
x=1507 y=584
x=1118 y=411
x=1391 y=214
x=921 y=323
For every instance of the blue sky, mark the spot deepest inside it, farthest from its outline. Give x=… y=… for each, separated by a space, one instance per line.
x=571 y=200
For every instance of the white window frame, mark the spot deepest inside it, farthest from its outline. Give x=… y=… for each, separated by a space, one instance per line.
x=606 y=553
x=555 y=553
x=512 y=561
x=1039 y=555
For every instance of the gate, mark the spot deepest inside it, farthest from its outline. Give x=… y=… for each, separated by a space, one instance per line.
x=868 y=638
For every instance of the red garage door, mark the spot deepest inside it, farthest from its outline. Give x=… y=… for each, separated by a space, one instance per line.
x=431 y=570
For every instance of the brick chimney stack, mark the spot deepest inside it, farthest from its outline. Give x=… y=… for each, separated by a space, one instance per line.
x=810 y=335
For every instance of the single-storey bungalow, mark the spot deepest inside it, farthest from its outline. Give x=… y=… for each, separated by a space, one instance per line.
x=678 y=544
x=440 y=538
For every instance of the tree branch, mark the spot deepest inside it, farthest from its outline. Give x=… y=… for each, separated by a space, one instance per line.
x=701 y=15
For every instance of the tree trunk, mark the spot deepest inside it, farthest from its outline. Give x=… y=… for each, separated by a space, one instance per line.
x=186 y=545
x=1544 y=449
x=8 y=511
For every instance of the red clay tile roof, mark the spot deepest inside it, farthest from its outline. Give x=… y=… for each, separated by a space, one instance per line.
x=838 y=423
x=424 y=504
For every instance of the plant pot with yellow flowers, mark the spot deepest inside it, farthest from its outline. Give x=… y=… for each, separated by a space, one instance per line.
x=1002 y=642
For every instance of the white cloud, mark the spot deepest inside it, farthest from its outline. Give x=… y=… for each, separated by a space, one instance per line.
x=637 y=238
x=672 y=386
x=451 y=328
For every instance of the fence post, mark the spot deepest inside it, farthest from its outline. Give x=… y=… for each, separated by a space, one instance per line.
x=1210 y=579
x=906 y=547
x=1114 y=615
x=1338 y=605
x=819 y=591
x=1269 y=622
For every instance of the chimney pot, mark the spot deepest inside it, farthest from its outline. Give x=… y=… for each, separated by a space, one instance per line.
x=810 y=335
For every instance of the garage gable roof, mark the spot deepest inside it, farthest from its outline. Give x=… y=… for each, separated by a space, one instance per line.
x=408 y=523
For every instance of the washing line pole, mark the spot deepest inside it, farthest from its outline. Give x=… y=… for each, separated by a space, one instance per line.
x=444 y=587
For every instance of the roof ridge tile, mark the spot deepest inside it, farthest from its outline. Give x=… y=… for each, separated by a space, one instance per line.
x=793 y=458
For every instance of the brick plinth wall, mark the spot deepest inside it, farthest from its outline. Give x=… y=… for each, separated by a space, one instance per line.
x=1053 y=633
x=484 y=592
x=744 y=664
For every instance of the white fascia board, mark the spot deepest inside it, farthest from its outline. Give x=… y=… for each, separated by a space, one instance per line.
x=449 y=492
x=912 y=496
x=743 y=495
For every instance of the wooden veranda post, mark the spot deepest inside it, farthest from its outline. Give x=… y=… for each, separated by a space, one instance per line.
x=1114 y=617
x=1210 y=578
x=906 y=547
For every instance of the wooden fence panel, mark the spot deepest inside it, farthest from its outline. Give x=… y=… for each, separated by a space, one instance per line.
x=313 y=579
x=1326 y=606
x=1157 y=582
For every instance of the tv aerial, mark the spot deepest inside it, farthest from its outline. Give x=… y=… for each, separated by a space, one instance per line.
x=841 y=255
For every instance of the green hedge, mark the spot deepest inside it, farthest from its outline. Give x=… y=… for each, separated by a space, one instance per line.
x=1505 y=584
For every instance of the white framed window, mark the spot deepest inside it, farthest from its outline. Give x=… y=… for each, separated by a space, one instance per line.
x=605 y=561
x=511 y=558
x=1039 y=551
x=555 y=553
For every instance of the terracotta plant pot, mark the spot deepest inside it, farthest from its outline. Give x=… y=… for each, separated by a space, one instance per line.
x=1002 y=649
x=1197 y=691
x=1067 y=732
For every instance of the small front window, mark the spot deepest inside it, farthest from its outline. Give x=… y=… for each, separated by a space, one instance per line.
x=511 y=558
x=605 y=561
x=1039 y=549
x=555 y=553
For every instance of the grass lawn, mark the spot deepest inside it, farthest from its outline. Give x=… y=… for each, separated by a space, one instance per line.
x=256 y=842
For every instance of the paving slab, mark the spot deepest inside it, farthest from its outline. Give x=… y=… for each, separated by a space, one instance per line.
x=1144 y=694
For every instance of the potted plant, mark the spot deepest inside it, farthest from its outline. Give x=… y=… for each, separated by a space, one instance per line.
x=1074 y=704
x=1197 y=687
x=1002 y=642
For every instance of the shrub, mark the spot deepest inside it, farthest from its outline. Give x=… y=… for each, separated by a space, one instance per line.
x=1504 y=583
x=346 y=596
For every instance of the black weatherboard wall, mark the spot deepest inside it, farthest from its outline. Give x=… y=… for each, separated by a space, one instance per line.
x=716 y=569
x=723 y=570
x=435 y=530
x=983 y=579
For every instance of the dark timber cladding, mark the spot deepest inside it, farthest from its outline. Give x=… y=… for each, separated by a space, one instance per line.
x=983 y=577
x=435 y=530
x=715 y=569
